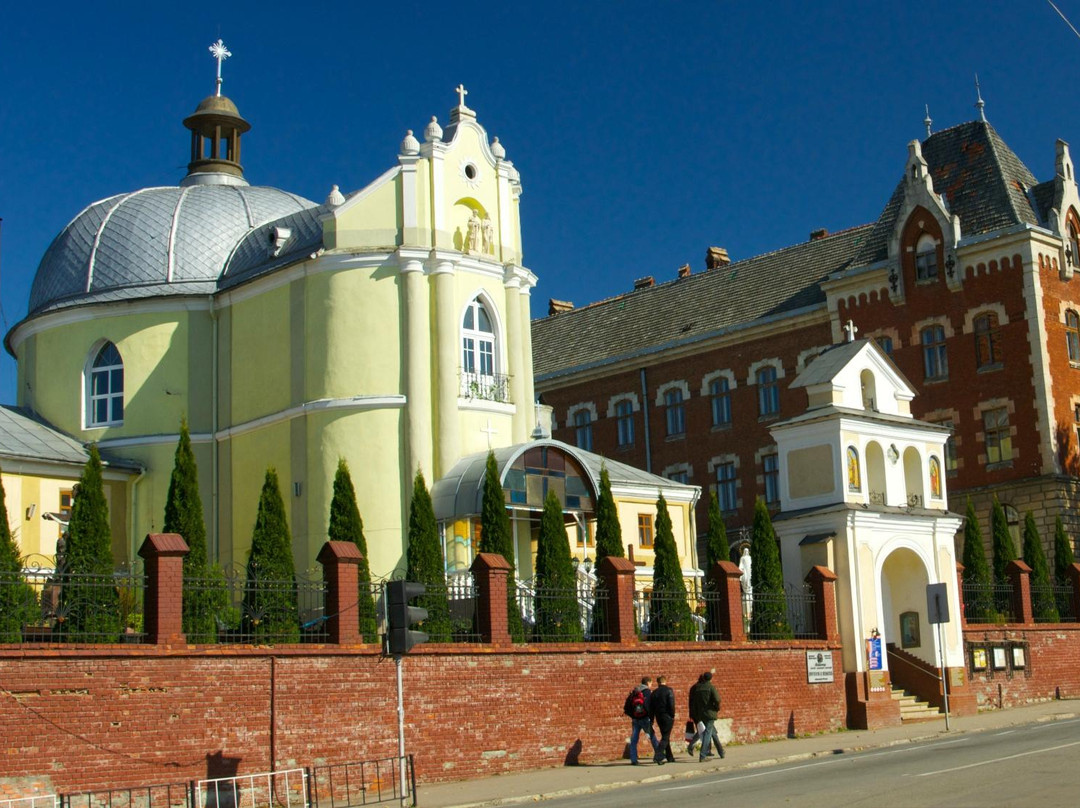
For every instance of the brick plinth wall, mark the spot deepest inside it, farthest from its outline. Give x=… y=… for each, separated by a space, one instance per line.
x=618 y=577
x=1020 y=577
x=822 y=582
x=726 y=582
x=163 y=612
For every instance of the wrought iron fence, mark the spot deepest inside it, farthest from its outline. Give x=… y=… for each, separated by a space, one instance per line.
x=462 y=596
x=1047 y=600
x=363 y=783
x=669 y=615
x=238 y=605
x=1063 y=599
x=486 y=387
x=281 y=789
x=169 y=795
x=43 y=603
x=991 y=603
x=790 y=614
x=31 y=801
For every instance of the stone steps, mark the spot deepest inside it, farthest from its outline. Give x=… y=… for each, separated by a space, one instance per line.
x=911 y=709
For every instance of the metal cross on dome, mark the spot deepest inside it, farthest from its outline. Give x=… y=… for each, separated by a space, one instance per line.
x=221 y=53
x=849 y=331
x=462 y=92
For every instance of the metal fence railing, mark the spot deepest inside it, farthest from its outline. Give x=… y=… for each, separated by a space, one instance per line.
x=46 y=603
x=781 y=615
x=991 y=604
x=167 y=795
x=282 y=789
x=31 y=801
x=363 y=783
x=1063 y=599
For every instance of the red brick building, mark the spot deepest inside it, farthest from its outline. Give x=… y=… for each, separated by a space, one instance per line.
x=965 y=279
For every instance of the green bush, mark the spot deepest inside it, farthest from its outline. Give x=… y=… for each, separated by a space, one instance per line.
x=425 y=564
x=769 y=614
x=670 y=616
x=346 y=525
x=558 y=616
x=271 y=611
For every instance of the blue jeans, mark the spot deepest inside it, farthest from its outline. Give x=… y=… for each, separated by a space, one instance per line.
x=708 y=738
x=641 y=725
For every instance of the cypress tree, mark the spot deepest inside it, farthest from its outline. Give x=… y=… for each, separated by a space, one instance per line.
x=424 y=563
x=769 y=615
x=497 y=536
x=18 y=601
x=1004 y=551
x=669 y=610
x=716 y=550
x=1063 y=554
x=608 y=529
x=608 y=543
x=1063 y=561
x=205 y=595
x=346 y=525
x=558 y=616
x=271 y=610
x=978 y=595
x=1043 y=608
x=89 y=600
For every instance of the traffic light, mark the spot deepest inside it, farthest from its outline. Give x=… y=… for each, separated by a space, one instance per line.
x=400 y=615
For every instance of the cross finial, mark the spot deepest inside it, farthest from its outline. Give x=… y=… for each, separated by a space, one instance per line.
x=462 y=92
x=221 y=53
x=849 y=331
x=489 y=430
x=927 y=120
x=980 y=104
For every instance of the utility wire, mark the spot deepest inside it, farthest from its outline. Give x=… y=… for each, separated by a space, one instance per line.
x=1058 y=10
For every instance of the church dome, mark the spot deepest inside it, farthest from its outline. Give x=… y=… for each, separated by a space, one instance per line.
x=153 y=242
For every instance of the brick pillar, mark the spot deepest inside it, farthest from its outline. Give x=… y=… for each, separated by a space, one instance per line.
x=1020 y=576
x=492 y=575
x=960 y=593
x=341 y=572
x=618 y=576
x=163 y=600
x=1074 y=579
x=726 y=604
x=823 y=582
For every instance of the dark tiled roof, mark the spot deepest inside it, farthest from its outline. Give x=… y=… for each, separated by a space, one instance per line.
x=1043 y=196
x=25 y=437
x=980 y=177
x=692 y=308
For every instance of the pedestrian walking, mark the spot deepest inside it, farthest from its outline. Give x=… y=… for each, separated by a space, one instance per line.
x=705 y=702
x=695 y=726
x=662 y=710
x=636 y=707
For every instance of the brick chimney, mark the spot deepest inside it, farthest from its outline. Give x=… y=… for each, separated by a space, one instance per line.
x=716 y=257
x=644 y=283
x=684 y=271
x=558 y=306
x=817 y=235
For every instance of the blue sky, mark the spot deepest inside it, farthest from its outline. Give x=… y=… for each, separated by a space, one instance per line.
x=644 y=132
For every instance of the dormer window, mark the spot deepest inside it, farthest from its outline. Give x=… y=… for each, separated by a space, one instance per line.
x=926 y=265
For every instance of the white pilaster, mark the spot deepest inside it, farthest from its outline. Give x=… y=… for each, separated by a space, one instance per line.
x=446 y=353
x=517 y=368
x=419 y=452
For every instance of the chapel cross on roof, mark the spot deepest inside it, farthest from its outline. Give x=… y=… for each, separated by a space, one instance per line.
x=849 y=331
x=221 y=53
x=462 y=92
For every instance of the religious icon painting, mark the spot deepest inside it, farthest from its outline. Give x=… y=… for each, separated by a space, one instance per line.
x=1019 y=658
x=909 y=630
x=979 y=661
x=935 y=478
x=999 y=658
x=853 y=474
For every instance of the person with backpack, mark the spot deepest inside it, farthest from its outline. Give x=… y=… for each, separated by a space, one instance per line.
x=636 y=708
x=705 y=706
x=662 y=710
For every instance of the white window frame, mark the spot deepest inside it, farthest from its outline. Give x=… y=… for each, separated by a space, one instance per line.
x=93 y=396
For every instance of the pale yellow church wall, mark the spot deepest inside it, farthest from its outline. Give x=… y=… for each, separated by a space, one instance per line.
x=350 y=313
x=261 y=347
x=251 y=453
x=156 y=350
x=421 y=235
x=907 y=585
x=628 y=510
x=152 y=490
x=811 y=471
x=460 y=196
x=369 y=223
x=371 y=444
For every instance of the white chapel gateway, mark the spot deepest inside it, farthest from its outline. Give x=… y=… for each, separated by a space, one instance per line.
x=863 y=494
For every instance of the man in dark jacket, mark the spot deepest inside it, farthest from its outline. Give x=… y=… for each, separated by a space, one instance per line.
x=662 y=710
x=636 y=707
x=705 y=705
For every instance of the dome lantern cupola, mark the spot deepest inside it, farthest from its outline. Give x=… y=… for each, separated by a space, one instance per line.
x=216 y=127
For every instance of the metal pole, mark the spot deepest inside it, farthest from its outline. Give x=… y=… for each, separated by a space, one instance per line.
x=400 y=732
x=944 y=673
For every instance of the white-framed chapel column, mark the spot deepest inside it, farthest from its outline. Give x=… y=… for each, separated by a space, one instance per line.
x=448 y=439
x=420 y=449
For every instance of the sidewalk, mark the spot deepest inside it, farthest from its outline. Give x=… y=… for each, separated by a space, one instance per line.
x=566 y=781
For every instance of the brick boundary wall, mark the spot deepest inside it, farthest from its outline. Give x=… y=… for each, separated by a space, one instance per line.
x=117 y=717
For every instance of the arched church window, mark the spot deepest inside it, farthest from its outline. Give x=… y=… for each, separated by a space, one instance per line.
x=854 y=474
x=869 y=390
x=478 y=376
x=1074 y=245
x=105 y=399
x=1072 y=335
x=926 y=267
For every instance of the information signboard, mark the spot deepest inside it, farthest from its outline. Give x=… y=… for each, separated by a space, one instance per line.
x=819 y=668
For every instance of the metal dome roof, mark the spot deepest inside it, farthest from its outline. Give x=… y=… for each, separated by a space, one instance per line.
x=153 y=242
